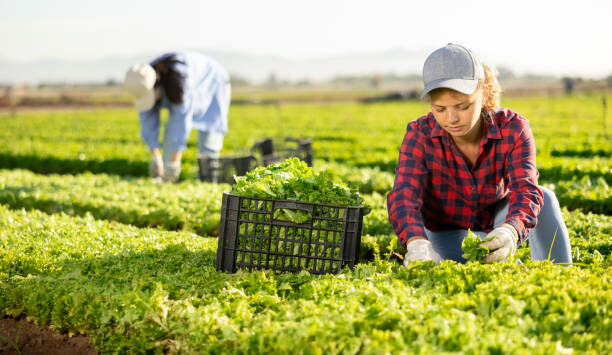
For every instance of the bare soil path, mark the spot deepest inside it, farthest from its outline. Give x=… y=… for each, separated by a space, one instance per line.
x=18 y=336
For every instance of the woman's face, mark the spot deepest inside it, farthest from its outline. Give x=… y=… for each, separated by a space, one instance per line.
x=457 y=113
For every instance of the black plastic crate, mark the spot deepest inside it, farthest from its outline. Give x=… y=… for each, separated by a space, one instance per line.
x=224 y=168
x=252 y=237
x=274 y=150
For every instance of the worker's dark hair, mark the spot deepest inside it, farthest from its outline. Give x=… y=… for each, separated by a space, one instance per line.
x=170 y=79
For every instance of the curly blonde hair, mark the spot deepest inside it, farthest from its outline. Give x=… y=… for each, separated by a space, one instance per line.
x=490 y=87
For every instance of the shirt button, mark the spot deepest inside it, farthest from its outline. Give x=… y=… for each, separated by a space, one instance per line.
x=473 y=188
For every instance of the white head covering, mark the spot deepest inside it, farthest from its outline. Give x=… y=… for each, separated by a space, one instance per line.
x=140 y=82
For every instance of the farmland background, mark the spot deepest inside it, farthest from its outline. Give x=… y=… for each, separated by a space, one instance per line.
x=88 y=244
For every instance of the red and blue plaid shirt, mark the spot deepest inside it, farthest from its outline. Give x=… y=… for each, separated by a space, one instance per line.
x=435 y=188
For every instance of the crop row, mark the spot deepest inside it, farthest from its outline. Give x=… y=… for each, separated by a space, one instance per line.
x=584 y=194
x=146 y=290
x=191 y=205
x=551 y=169
x=109 y=142
x=131 y=160
x=364 y=177
x=587 y=190
x=194 y=206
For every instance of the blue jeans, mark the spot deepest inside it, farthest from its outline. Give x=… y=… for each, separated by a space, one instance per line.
x=209 y=143
x=550 y=220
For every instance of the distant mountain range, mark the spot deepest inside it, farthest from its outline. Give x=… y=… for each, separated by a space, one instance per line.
x=251 y=67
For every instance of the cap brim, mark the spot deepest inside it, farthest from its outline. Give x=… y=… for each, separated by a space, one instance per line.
x=465 y=86
x=145 y=102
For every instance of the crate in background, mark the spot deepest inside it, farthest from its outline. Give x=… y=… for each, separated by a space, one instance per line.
x=223 y=169
x=274 y=150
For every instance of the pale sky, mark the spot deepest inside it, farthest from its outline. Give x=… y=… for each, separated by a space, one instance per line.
x=553 y=37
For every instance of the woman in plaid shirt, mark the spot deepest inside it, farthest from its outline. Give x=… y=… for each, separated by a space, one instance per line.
x=469 y=164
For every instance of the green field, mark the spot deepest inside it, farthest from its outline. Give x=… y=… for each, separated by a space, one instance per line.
x=88 y=244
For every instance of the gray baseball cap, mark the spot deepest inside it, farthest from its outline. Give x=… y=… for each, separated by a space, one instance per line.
x=454 y=67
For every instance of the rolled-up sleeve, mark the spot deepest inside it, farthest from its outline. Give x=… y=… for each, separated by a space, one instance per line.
x=149 y=127
x=405 y=200
x=525 y=199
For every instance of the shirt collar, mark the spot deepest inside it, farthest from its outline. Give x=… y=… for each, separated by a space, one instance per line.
x=437 y=130
x=490 y=126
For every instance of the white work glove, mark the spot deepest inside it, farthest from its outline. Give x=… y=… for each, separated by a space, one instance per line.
x=172 y=170
x=503 y=245
x=156 y=166
x=421 y=249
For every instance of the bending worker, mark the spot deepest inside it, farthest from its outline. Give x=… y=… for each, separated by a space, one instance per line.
x=196 y=91
x=470 y=164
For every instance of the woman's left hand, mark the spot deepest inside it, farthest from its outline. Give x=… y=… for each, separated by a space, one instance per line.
x=503 y=245
x=156 y=166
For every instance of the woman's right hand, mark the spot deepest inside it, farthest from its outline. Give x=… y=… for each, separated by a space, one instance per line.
x=421 y=249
